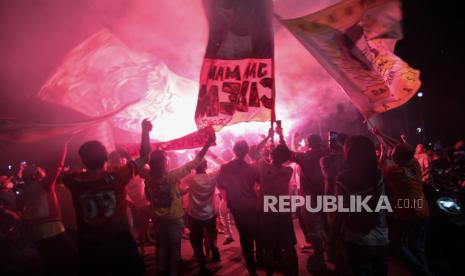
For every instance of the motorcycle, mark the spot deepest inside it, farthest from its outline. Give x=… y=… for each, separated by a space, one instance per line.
x=446 y=239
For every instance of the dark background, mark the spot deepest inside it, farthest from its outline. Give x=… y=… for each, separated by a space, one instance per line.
x=433 y=43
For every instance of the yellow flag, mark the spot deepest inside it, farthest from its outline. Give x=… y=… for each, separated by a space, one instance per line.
x=354 y=41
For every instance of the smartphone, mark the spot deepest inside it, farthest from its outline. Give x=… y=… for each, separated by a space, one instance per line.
x=332 y=139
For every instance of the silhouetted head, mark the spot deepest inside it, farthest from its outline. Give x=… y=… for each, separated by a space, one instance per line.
x=342 y=139
x=116 y=159
x=202 y=167
x=33 y=172
x=93 y=155
x=360 y=154
x=314 y=141
x=158 y=163
x=402 y=154
x=240 y=149
x=280 y=154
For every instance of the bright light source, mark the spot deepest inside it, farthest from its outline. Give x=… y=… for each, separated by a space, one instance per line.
x=449 y=205
x=419 y=129
x=302 y=143
x=420 y=94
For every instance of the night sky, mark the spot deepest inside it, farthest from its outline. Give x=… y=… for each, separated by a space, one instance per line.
x=433 y=43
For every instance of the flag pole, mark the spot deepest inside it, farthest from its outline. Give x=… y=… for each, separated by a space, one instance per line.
x=369 y=123
x=273 y=91
x=273 y=97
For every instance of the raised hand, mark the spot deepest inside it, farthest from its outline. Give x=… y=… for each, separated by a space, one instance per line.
x=403 y=138
x=145 y=140
x=146 y=125
x=270 y=132
x=211 y=139
x=279 y=131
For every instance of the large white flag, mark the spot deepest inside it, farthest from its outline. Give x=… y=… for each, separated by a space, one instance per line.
x=102 y=74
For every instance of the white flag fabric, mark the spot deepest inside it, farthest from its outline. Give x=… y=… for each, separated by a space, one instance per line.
x=102 y=74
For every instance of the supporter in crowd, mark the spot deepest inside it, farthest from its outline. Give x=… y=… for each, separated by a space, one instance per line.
x=11 y=261
x=424 y=161
x=99 y=196
x=365 y=233
x=408 y=228
x=225 y=213
x=202 y=213
x=274 y=180
x=331 y=165
x=43 y=216
x=138 y=206
x=296 y=188
x=8 y=199
x=162 y=189
x=237 y=179
x=356 y=243
x=312 y=184
x=459 y=151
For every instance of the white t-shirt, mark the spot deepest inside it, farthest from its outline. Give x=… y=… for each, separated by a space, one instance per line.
x=202 y=204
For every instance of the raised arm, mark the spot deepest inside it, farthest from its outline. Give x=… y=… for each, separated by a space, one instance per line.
x=295 y=141
x=382 y=155
x=255 y=154
x=61 y=164
x=384 y=138
x=22 y=166
x=203 y=151
x=145 y=140
x=183 y=171
x=279 y=131
x=403 y=138
x=265 y=140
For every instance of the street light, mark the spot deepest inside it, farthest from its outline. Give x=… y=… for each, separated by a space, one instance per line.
x=420 y=94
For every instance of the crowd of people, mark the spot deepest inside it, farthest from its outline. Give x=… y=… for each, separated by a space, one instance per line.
x=204 y=197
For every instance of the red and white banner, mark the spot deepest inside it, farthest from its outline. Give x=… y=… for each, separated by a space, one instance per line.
x=233 y=91
x=190 y=141
x=236 y=79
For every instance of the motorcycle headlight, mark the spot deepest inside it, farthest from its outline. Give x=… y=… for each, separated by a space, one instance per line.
x=449 y=205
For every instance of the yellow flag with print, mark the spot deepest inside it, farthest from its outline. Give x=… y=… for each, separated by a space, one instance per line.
x=354 y=41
